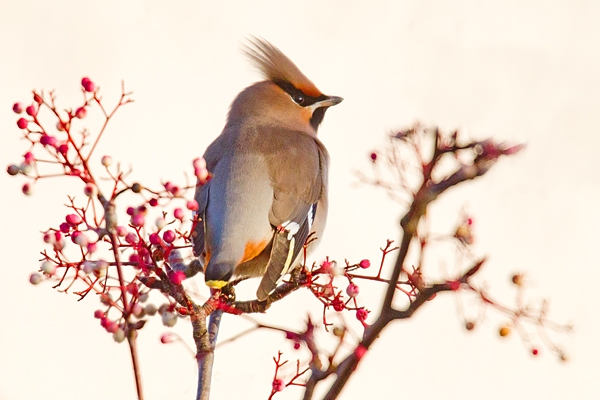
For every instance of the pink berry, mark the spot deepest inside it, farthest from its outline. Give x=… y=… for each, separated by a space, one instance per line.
x=29 y=157
x=73 y=219
x=131 y=238
x=153 y=202
x=167 y=338
x=48 y=237
x=373 y=156
x=175 y=190
x=92 y=247
x=138 y=220
x=81 y=112
x=37 y=98
x=79 y=239
x=27 y=189
x=58 y=235
x=22 y=123
x=178 y=213
x=31 y=110
x=199 y=163
x=154 y=238
x=169 y=236
x=362 y=314
x=35 y=278
x=192 y=205
x=90 y=190
x=112 y=327
x=88 y=85
x=48 y=140
x=18 y=108
x=62 y=126
x=365 y=263
x=134 y=258
x=326 y=266
x=121 y=231
x=177 y=277
x=130 y=210
x=98 y=314
x=278 y=385
x=352 y=290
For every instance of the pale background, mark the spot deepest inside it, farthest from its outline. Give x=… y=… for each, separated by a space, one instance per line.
x=523 y=73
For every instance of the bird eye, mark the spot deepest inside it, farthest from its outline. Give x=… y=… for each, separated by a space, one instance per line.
x=299 y=99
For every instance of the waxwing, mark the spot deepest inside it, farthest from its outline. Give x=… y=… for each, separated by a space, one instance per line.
x=269 y=171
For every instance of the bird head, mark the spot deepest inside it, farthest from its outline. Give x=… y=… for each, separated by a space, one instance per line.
x=286 y=97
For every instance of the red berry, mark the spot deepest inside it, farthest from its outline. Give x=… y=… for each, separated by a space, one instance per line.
x=177 y=277
x=169 y=236
x=454 y=285
x=88 y=85
x=360 y=351
x=27 y=189
x=37 y=98
x=326 y=266
x=99 y=314
x=278 y=385
x=130 y=210
x=362 y=314
x=153 y=202
x=31 y=110
x=534 y=352
x=373 y=156
x=154 y=238
x=338 y=304
x=29 y=157
x=47 y=140
x=73 y=219
x=365 y=263
x=22 y=123
x=63 y=148
x=18 y=108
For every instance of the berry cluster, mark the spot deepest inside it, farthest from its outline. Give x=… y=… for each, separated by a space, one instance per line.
x=89 y=251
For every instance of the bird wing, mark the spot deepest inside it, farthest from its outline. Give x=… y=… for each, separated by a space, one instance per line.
x=296 y=163
x=212 y=155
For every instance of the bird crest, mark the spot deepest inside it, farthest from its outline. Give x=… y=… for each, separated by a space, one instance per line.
x=277 y=67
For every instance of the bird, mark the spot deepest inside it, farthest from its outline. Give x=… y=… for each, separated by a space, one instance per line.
x=269 y=177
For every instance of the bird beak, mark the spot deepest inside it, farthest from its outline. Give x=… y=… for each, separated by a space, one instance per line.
x=328 y=102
